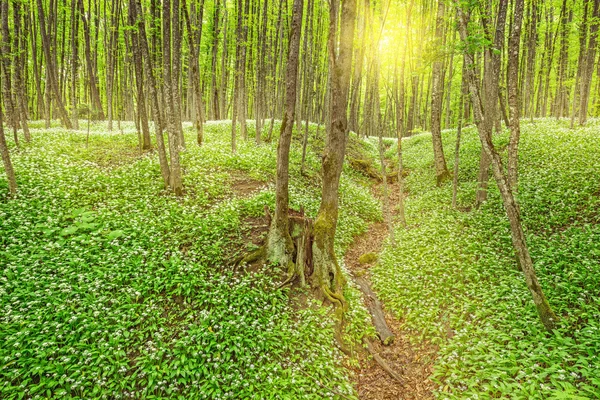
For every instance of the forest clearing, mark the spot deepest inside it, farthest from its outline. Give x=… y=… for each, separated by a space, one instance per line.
x=299 y=199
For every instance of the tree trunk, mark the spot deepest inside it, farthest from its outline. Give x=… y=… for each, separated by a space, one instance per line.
x=441 y=170
x=327 y=274
x=139 y=82
x=93 y=80
x=176 y=74
x=586 y=81
x=51 y=74
x=18 y=68
x=12 y=113
x=463 y=92
x=175 y=182
x=279 y=243
x=513 y=94
x=546 y=314
x=492 y=66
x=111 y=56
x=144 y=52
x=74 y=62
x=194 y=66
x=8 y=168
x=215 y=52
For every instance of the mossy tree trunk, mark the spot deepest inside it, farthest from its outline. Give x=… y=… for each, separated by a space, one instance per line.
x=279 y=242
x=327 y=274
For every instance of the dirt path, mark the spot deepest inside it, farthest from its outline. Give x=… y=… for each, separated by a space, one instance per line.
x=411 y=363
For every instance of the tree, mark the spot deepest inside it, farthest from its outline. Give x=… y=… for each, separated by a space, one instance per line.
x=8 y=167
x=547 y=316
x=279 y=243
x=141 y=46
x=588 y=69
x=173 y=130
x=197 y=84
x=441 y=170
x=513 y=94
x=327 y=274
x=91 y=69
x=21 y=113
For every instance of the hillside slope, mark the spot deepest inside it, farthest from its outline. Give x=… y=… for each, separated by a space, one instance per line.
x=453 y=279
x=112 y=288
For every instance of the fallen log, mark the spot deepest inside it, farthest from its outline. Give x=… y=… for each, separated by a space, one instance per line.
x=374 y=306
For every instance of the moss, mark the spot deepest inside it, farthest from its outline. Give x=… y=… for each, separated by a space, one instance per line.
x=368 y=258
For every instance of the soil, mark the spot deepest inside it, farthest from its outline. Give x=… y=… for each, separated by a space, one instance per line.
x=412 y=362
x=244 y=186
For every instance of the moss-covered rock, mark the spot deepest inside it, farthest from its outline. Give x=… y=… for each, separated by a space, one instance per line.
x=368 y=258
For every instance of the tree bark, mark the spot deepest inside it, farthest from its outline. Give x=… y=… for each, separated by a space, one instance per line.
x=279 y=243
x=74 y=63
x=144 y=52
x=586 y=81
x=8 y=167
x=93 y=80
x=195 y=67
x=545 y=313
x=513 y=94
x=18 y=68
x=327 y=274
x=492 y=65
x=441 y=170
x=12 y=113
x=139 y=80
x=175 y=182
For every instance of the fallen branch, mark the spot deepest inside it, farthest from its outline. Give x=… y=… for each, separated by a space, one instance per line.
x=382 y=362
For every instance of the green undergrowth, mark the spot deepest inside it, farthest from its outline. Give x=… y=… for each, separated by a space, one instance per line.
x=453 y=278
x=110 y=287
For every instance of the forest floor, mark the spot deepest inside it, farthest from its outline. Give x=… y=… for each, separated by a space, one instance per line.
x=412 y=362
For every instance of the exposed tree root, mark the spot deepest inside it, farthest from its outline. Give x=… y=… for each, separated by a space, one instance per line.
x=367 y=168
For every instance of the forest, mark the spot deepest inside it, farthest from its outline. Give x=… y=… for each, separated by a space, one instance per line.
x=299 y=199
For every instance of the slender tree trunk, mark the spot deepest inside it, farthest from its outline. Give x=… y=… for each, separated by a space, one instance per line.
x=441 y=170
x=279 y=245
x=449 y=91
x=546 y=314
x=194 y=66
x=586 y=81
x=51 y=74
x=139 y=81
x=12 y=113
x=175 y=182
x=492 y=61
x=18 y=68
x=176 y=74
x=463 y=92
x=91 y=69
x=111 y=56
x=41 y=107
x=144 y=52
x=74 y=63
x=513 y=94
x=215 y=53
x=8 y=167
x=562 y=90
